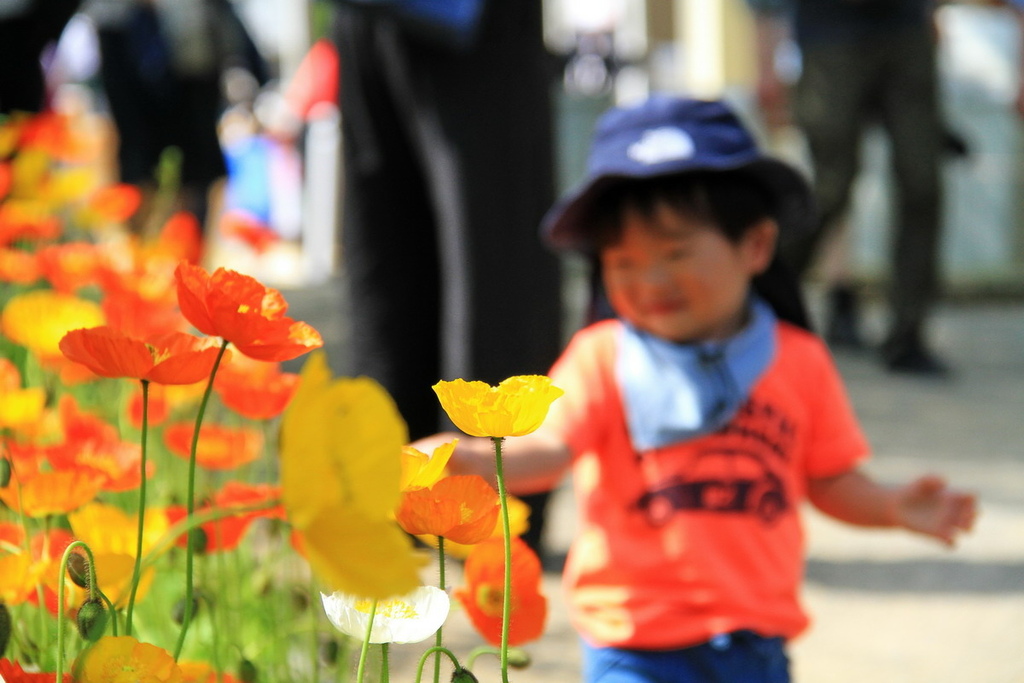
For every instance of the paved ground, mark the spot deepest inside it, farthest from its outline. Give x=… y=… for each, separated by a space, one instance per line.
x=887 y=607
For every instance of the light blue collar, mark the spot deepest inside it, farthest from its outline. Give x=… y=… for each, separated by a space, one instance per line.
x=676 y=392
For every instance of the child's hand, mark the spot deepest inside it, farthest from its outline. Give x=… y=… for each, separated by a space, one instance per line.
x=929 y=507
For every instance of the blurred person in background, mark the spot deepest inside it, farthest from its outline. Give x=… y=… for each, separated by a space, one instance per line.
x=865 y=62
x=447 y=133
x=27 y=27
x=161 y=67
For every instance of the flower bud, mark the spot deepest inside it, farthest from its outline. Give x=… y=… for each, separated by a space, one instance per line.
x=247 y=672
x=78 y=569
x=198 y=541
x=92 y=620
x=178 y=611
x=5 y=472
x=518 y=659
x=461 y=675
x=5 y=628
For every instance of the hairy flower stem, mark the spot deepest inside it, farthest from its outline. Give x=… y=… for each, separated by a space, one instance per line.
x=366 y=644
x=506 y=598
x=385 y=674
x=137 y=570
x=440 y=584
x=426 y=655
x=191 y=502
x=93 y=590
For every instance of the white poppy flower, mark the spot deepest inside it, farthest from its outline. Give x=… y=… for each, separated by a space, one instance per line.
x=411 y=618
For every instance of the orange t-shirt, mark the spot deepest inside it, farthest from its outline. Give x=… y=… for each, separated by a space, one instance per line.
x=680 y=543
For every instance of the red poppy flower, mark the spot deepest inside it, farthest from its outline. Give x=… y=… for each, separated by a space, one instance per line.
x=483 y=595
x=246 y=228
x=463 y=508
x=5 y=179
x=220 y=448
x=255 y=389
x=226 y=533
x=239 y=309
x=11 y=672
x=174 y=358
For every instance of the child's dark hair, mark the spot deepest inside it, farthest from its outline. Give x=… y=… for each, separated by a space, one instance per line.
x=731 y=202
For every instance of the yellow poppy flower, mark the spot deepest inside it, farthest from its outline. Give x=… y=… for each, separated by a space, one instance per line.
x=419 y=470
x=39 y=319
x=21 y=407
x=517 y=406
x=111 y=534
x=122 y=659
x=340 y=449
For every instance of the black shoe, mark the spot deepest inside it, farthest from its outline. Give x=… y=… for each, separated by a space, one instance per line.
x=917 y=361
x=842 y=329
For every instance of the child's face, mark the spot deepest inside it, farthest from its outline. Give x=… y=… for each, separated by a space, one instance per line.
x=682 y=280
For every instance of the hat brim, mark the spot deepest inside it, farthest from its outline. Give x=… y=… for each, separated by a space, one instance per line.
x=564 y=227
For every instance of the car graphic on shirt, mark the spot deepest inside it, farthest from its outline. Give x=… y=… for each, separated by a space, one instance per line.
x=720 y=481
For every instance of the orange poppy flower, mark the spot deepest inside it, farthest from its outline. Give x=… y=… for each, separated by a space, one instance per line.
x=463 y=508
x=226 y=533
x=483 y=595
x=68 y=267
x=27 y=219
x=51 y=492
x=140 y=300
x=203 y=672
x=255 y=389
x=18 y=266
x=220 y=448
x=92 y=445
x=519 y=523
x=239 y=309
x=115 y=203
x=174 y=358
x=181 y=238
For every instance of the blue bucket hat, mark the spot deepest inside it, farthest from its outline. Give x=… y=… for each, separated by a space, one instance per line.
x=667 y=135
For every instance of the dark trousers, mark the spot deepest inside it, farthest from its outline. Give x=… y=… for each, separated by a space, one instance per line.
x=890 y=80
x=448 y=171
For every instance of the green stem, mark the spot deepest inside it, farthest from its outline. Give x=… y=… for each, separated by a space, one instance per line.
x=506 y=599
x=384 y=673
x=91 y=580
x=366 y=644
x=426 y=655
x=191 y=502
x=137 y=571
x=440 y=580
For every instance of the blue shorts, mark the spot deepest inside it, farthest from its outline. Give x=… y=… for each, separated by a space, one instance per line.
x=741 y=657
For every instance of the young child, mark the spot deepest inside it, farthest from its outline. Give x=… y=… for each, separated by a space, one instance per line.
x=696 y=421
